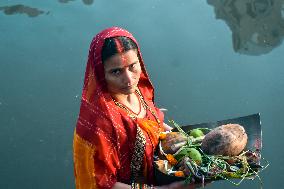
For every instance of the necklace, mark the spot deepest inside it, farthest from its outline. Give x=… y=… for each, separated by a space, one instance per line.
x=147 y=107
x=126 y=108
x=132 y=114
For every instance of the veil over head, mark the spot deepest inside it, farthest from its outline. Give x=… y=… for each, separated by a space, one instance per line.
x=94 y=76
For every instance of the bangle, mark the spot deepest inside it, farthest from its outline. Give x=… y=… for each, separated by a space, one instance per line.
x=141 y=186
x=148 y=186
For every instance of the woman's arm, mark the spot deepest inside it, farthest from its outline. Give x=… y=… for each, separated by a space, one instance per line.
x=119 y=185
x=174 y=185
x=178 y=185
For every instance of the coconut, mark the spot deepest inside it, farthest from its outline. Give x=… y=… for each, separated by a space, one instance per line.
x=228 y=140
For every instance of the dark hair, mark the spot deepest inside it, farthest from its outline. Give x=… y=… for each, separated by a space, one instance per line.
x=116 y=45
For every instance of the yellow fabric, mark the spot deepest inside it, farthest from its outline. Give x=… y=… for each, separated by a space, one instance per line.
x=83 y=163
x=152 y=128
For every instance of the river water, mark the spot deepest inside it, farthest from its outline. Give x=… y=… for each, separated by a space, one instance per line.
x=208 y=60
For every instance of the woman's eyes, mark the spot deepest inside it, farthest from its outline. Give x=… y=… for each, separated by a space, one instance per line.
x=116 y=72
x=133 y=65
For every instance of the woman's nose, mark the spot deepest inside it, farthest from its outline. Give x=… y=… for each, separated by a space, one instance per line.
x=128 y=77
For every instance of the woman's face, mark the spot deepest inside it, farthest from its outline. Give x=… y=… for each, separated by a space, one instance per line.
x=122 y=72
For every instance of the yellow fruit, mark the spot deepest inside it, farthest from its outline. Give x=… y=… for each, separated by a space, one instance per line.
x=171 y=159
x=179 y=174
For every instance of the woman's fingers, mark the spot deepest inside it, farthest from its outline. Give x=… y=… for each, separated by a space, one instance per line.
x=167 y=127
x=183 y=185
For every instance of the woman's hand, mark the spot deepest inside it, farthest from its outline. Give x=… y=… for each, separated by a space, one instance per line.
x=167 y=127
x=181 y=185
x=174 y=185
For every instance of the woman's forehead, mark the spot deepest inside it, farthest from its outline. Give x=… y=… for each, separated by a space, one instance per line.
x=121 y=60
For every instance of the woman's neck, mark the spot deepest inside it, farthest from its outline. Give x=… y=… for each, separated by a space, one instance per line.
x=125 y=99
x=130 y=103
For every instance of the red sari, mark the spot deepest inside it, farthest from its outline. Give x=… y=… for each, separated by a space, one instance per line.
x=105 y=135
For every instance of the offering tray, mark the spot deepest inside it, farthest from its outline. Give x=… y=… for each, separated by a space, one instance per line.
x=245 y=165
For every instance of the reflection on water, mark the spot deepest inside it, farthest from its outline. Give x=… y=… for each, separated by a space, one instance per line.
x=65 y=1
x=21 y=9
x=33 y=12
x=86 y=2
x=257 y=25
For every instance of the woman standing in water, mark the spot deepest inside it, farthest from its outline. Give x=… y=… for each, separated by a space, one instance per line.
x=118 y=127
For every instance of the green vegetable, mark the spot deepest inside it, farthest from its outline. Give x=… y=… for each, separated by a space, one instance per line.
x=191 y=153
x=196 y=133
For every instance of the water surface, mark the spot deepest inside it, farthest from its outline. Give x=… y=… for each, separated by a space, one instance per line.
x=209 y=60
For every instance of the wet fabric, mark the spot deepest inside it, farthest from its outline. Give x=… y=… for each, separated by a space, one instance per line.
x=105 y=135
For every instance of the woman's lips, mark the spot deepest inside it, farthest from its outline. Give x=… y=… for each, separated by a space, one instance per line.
x=128 y=87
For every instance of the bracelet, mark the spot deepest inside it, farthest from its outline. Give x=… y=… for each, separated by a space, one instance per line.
x=141 y=186
x=132 y=185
